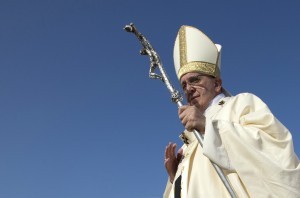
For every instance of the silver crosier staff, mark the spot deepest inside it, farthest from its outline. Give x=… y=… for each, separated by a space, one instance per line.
x=176 y=97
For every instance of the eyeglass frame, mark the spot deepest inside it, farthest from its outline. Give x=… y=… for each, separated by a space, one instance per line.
x=194 y=81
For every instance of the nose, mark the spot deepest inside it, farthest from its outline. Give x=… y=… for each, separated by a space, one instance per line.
x=189 y=87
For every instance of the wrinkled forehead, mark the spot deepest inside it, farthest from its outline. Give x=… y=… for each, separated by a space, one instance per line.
x=189 y=75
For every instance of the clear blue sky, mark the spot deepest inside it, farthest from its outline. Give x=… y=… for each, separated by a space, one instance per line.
x=79 y=116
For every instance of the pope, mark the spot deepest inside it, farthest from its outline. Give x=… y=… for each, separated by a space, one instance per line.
x=241 y=135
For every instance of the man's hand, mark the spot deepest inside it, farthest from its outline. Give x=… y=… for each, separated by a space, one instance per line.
x=171 y=160
x=192 y=118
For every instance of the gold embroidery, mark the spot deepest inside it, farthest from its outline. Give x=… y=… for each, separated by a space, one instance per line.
x=182 y=46
x=221 y=102
x=203 y=67
x=184 y=138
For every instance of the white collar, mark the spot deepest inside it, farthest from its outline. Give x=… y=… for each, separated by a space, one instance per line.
x=216 y=100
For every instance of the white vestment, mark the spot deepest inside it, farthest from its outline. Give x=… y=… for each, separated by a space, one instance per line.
x=252 y=147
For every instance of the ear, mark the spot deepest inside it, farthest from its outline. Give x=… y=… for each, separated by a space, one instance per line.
x=218 y=85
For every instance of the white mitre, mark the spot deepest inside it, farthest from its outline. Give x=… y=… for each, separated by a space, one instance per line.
x=195 y=52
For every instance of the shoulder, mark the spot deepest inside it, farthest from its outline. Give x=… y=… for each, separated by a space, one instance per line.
x=245 y=98
x=245 y=102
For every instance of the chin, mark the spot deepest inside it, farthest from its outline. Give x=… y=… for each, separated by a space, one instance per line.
x=195 y=103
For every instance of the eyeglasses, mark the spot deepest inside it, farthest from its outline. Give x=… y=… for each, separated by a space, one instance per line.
x=193 y=81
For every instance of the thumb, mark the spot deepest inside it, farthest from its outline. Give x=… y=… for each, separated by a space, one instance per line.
x=179 y=154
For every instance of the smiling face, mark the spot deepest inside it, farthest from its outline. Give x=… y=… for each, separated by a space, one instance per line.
x=200 y=89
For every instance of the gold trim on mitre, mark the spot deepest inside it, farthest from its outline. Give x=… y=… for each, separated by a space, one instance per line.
x=182 y=46
x=197 y=66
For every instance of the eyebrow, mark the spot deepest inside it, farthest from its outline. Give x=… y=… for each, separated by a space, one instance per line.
x=191 y=77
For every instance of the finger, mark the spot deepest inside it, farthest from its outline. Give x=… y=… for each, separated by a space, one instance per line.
x=186 y=112
x=173 y=150
x=167 y=151
x=184 y=116
x=182 y=108
x=179 y=154
x=180 y=151
x=185 y=119
x=181 y=115
x=189 y=126
x=167 y=161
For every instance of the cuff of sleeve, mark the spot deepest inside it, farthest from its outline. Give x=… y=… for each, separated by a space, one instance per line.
x=213 y=147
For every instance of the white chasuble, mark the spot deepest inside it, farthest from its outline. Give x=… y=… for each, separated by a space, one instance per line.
x=252 y=147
